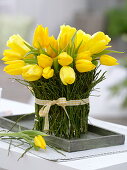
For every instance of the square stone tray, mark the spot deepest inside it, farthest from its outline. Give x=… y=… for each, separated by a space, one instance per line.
x=96 y=137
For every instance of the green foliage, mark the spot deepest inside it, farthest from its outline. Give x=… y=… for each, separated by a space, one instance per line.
x=30 y=60
x=118 y=88
x=60 y=124
x=105 y=52
x=25 y=137
x=117 y=21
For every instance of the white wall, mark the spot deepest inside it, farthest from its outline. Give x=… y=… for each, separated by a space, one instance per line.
x=106 y=106
x=51 y=13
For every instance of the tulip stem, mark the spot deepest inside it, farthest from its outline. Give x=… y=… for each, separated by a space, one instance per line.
x=55 y=64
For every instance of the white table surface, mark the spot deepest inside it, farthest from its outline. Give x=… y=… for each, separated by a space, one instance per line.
x=13 y=107
x=30 y=161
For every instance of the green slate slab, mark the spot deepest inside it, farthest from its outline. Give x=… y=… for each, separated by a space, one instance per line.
x=96 y=137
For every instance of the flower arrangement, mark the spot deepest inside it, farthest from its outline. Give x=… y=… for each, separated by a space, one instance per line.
x=61 y=73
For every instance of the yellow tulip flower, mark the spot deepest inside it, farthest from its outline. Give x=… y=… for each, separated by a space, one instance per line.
x=44 y=61
x=48 y=72
x=84 y=65
x=97 y=43
x=64 y=59
x=32 y=72
x=41 y=37
x=16 y=43
x=108 y=60
x=65 y=36
x=15 y=62
x=15 y=67
x=67 y=75
x=81 y=39
x=10 y=54
x=98 y=47
x=84 y=55
x=53 y=44
x=101 y=36
x=40 y=142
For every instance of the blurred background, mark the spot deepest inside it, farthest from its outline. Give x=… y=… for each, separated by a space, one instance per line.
x=109 y=16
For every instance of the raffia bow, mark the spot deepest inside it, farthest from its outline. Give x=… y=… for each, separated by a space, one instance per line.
x=46 y=104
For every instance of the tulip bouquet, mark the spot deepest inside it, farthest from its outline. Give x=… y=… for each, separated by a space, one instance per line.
x=61 y=73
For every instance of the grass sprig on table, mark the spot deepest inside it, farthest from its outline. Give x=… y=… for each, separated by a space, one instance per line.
x=32 y=139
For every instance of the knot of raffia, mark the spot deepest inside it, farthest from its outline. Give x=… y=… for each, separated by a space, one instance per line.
x=46 y=104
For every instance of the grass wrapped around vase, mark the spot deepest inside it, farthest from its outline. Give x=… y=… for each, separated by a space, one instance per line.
x=61 y=73
x=77 y=115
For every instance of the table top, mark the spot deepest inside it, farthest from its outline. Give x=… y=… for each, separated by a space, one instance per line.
x=10 y=107
x=30 y=161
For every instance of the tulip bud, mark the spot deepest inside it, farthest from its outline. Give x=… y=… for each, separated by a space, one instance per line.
x=101 y=36
x=53 y=46
x=40 y=142
x=15 y=67
x=47 y=72
x=44 y=61
x=16 y=42
x=98 y=47
x=65 y=36
x=84 y=55
x=10 y=54
x=64 y=59
x=67 y=75
x=41 y=37
x=108 y=60
x=97 y=43
x=84 y=65
x=81 y=39
x=32 y=72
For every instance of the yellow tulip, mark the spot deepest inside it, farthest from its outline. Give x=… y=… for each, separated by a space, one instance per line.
x=53 y=45
x=84 y=55
x=10 y=54
x=65 y=36
x=48 y=72
x=15 y=67
x=101 y=36
x=98 y=47
x=16 y=43
x=41 y=37
x=108 y=60
x=67 y=75
x=84 y=65
x=32 y=72
x=44 y=61
x=15 y=62
x=64 y=59
x=81 y=39
x=97 y=43
x=40 y=142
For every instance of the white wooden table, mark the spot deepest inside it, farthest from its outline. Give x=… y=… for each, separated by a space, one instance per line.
x=30 y=161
